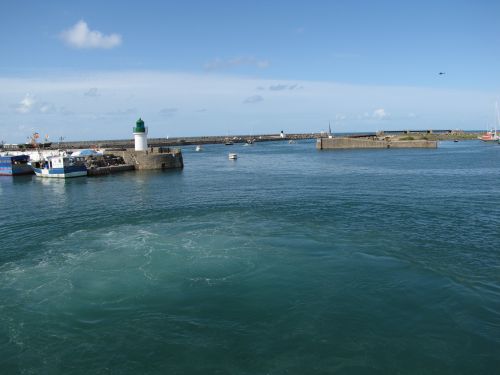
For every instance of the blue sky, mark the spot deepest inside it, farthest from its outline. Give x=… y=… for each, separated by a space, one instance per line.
x=87 y=70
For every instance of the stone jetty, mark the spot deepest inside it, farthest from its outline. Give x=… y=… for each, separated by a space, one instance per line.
x=184 y=141
x=152 y=158
x=342 y=143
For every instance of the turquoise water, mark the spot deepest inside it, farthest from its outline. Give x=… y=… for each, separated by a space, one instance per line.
x=286 y=261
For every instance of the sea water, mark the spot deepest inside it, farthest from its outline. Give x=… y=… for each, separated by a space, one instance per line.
x=288 y=260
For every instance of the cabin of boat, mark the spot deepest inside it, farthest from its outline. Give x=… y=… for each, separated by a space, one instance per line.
x=14 y=165
x=60 y=167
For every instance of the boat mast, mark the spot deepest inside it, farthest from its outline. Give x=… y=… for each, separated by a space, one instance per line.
x=497 y=122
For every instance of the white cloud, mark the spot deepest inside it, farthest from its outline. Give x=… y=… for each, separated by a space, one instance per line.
x=26 y=104
x=281 y=87
x=380 y=114
x=169 y=112
x=80 y=36
x=92 y=92
x=46 y=107
x=30 y=104
x=220 y=64
x=253 y=99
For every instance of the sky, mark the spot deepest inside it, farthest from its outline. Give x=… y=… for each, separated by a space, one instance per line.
x=88 y=70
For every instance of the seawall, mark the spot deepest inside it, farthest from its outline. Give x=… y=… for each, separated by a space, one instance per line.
x=185 y=141
x=357 y=143
x=152 y=159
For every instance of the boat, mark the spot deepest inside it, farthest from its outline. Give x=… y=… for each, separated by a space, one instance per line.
x=492 y=135
x=198 y=148
x=60 y=167
x=233 y=156
x=15 y=165
x=33 y=143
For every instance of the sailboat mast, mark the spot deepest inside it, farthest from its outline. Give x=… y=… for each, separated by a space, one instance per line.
x=497 y=122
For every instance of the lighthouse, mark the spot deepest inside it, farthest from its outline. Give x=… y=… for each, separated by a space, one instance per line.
x=140 y=136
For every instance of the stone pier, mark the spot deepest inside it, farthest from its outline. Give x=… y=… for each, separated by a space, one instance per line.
x=153 y=158
x=360 y=143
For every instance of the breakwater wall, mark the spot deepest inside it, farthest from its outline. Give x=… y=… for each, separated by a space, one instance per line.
x=185 y=141
x=151 y=159
x=357 y=143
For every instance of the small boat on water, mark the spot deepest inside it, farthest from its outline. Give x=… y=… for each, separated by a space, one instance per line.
x=198 y=148
x=60 y=167
x=233 y=156
x=15 y=165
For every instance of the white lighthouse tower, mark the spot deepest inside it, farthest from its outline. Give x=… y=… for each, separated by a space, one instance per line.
x=140 y=136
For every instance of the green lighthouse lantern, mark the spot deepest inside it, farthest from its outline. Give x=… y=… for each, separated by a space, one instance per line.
x=139 y=126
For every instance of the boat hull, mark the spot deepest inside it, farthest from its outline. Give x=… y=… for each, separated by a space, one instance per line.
x=14 y=166
x=68 y=172
x=16 y=170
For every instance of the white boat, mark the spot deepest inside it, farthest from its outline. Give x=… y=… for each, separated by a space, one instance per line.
x=233 y=156
x=198 y=148
x=60 y=167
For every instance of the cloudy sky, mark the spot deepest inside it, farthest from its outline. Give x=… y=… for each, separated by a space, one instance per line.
x=89 y=70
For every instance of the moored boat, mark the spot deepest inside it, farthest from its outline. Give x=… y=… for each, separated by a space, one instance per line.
x=490 y=136
x=60 y=167
x=233 y=156
x=14 y=165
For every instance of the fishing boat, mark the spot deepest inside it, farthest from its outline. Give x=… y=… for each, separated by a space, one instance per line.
x=233 y=156
x=492 y=135
x=15 y=165
x=60 y=167
x=32 y=142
